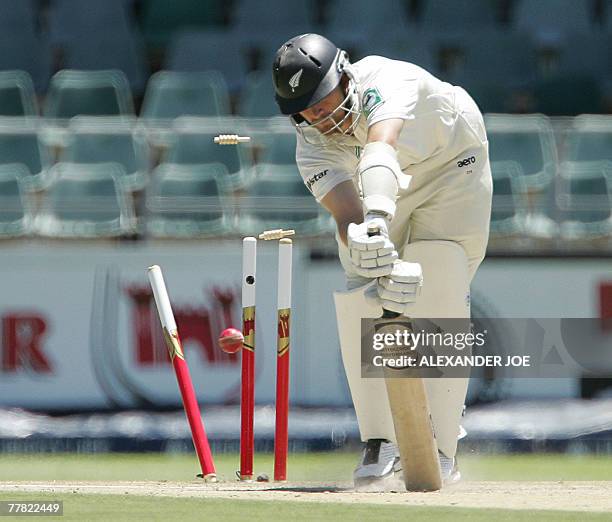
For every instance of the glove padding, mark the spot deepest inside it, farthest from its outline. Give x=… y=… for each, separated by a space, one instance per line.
x=371 y=256
x=399 y=290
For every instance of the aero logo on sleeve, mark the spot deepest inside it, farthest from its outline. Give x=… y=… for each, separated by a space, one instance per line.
x=371 y=100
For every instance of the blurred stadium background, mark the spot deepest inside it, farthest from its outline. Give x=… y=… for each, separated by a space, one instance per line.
x=107 y=113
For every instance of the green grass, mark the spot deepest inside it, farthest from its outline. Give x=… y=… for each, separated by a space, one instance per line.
x=319 y=467
x=536 y=467
x=131 y=508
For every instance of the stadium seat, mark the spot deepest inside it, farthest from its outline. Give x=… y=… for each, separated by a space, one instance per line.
x=93 y=93
x=17 y=97
x=583 y=53
x=589 y=139
x=85 y=201
x=74 y=20
x=515 y=62
x=25 y=51
x=280 y=146
x=549 y=20
x=19 y=143
x=198 y=51
x=272 y=15
x=107 y=51
x=276 y=197
x=396 y=43
x=104 y=140
x=607 y=16
x=162 y=19
x=568 y=95
x=19 y=14
x=91 y=35
x=508 y=207
x=458 y=15
x=188 y=201
x=585 y=200
x=172 y=94
x=363 y=15
x=491 y=96
x=526 y=139
x=194 y=145
x=15 y=206
x=257 y=98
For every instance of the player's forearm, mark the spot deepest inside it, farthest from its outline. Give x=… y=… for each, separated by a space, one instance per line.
x=344 y=205
x=343 y=226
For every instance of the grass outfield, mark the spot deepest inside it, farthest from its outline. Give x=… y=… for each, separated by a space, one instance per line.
x=318 y=467
x=123 y=508
x=321 y=468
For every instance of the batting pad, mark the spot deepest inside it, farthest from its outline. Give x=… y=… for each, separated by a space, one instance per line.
x=445 y=294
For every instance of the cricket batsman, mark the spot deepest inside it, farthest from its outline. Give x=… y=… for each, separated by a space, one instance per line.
x=384 y=142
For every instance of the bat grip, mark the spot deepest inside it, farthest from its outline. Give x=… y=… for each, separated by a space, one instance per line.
x=374 y=230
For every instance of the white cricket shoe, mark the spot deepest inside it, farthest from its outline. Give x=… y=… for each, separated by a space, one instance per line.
x=379 y=463
x=448 y=469
x=380 y=466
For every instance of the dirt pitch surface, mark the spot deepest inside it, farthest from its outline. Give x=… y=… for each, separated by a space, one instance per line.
x=567 y=496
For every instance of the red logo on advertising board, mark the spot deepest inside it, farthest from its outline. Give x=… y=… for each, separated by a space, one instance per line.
x=605 y=305
x=196 y=325
x=22 y=343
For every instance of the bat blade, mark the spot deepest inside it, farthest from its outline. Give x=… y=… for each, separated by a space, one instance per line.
x=410 y=412
x=414 y=433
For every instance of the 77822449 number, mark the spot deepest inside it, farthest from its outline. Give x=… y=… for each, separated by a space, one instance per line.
x=31 y=508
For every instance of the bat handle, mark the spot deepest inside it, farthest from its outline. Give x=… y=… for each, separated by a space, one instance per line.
x=374 y=230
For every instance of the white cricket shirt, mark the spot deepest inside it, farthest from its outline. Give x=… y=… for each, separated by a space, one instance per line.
x=440 y=121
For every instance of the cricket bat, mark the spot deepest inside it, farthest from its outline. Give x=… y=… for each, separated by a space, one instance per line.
x=411 y=416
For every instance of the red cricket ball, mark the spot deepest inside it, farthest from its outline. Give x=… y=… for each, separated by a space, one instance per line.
x=230 y=340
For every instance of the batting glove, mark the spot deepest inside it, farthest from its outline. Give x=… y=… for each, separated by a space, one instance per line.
x=399 y=290
x=371 y=256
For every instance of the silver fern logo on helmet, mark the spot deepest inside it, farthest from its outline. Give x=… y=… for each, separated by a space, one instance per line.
x=294 y=81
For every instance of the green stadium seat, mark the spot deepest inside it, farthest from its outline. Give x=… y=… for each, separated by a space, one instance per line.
x=492 y=83
x=104 y=140
x=213 y=50
x=188 y=201
x=20 y=143
x=123 y=52
x=362 y=15
x=458 y=14
x=15 y=205
x=194 y=145
x=542 y=220
x=161 y=19
x=257 y=98
x=508 y=205
x=568 y=94
x=92 y=93
x=17 y=96
x=279 y=145
x=172 y=94
x=528 y=140
x=589 y=139
x=24 y=46
x=548 y=20
x=78 y=19
x=277 y=197
x=85 y=201
x=585 y=200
